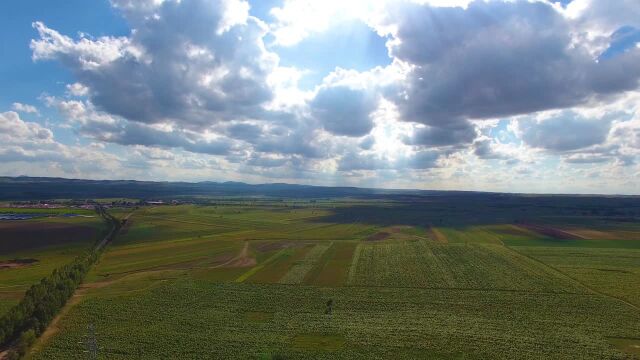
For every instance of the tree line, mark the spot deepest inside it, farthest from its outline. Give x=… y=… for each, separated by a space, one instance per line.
x=23 y=323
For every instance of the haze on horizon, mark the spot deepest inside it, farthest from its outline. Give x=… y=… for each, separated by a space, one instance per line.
x=517 y=96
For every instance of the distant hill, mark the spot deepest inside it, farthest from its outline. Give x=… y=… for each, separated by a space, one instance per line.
x=44 y=188
x=31 y=188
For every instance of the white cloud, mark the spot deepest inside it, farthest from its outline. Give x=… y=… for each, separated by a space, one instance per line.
x=565 y=131
x=194 y=89
x=77 y=89
x=194 y=62
x=25 y=108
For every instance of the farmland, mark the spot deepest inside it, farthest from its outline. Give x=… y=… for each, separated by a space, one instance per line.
x=32 y=249
x=343 y=278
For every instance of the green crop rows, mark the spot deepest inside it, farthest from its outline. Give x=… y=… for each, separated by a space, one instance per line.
x=208 y=321
x=242 y=281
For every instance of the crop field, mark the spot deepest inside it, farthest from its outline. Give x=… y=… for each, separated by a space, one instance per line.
x=348 y=279
x=477 y=267
x=32 y=249
x=615 y=272
x=204 y=320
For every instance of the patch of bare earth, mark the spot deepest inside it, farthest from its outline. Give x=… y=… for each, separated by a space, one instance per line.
x=15 y=236
x=551 y=232
x=243 y=259
x=16 y=263
x=398 y=229
x=379 y=236
x=272 y=246
x=512 y=230
x=592 y=234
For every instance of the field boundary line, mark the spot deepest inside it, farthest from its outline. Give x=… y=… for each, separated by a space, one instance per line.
x=595 y=291
x=259 y=267
x=188 y=222
x=354 y=263
x=586 y=294
x=299 y=271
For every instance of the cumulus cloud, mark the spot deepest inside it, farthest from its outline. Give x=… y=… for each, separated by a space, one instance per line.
x=453 y=133
x=13 y=129
x=299 y=139
x=586 y=159
x=77 y=89
x=604 y=16
x=564 y=132
x=104 y=127
x=354 y=161
x=425 y=159
x=194 y=84
x=369 y=161
x=344 y=111
x=23 y=141
x=25 y=108
x=496 y=59
x=484 y=148
x=193 y=62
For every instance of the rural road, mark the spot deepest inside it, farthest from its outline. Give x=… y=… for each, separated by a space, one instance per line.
x=110 y=236
x=114 y=230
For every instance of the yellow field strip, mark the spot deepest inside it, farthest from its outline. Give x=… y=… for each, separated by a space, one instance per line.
x=257 y=268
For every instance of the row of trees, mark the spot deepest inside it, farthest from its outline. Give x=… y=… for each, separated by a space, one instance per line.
x=43 y=301
x=23 y=323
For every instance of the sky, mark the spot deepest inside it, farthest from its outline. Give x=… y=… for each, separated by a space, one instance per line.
x=532 y=96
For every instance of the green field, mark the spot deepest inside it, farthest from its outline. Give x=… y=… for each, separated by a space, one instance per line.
x=254 y=281
x=32 y=249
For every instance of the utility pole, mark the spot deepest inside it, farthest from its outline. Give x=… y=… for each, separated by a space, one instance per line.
x=92 y=343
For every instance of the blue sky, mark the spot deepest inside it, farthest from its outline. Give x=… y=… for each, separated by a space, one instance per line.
x=29 y=79
x=527 y=96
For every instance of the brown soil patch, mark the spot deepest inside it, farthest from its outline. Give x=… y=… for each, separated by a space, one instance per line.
x=16 y=263
x=511 y=230
x=551 y=232
x=273 y=246
x=222 y=259
x=243 y=259
x=242 y=262
x=16 y=236
x=378 y=236
x=397 y=229
x=602 y=234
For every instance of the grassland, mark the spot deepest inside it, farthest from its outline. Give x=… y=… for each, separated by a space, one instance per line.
x=252 y=280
